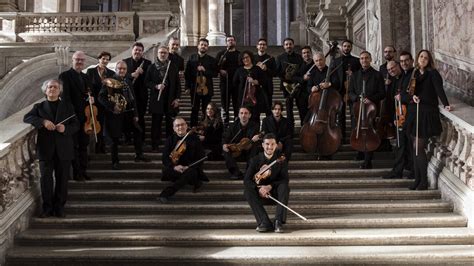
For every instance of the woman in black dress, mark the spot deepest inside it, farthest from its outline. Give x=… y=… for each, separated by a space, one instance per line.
x=251 y=75
x=429 y=87
x=211 y=133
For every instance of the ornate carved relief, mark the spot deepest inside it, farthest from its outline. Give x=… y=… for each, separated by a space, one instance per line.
x=373 y=31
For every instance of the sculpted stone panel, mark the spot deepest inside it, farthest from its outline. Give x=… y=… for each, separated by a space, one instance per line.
x=373 y=31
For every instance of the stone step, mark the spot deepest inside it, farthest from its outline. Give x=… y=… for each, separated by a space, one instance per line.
x=223 y=173
x=239 y=221
x=302 y=165
x=242 y=237
x=308 y=183
x=296 y=195
x=239 y=255
x=232 y=207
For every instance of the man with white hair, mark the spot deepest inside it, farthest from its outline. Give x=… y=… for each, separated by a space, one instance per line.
x=76 y=86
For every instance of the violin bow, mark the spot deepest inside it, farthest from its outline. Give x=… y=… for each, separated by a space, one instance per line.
x=92 y=115
x=66 y=119
x=238 y=132
x=288 y=208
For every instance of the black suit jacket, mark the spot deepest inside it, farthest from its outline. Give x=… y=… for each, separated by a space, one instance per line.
x=374 y=85
x=190 y=74
x=343 y=63
x=75 y=88
x=171 y=92
x=279 y=171
x=95 y=79
x=139 y=88
x=53 y=142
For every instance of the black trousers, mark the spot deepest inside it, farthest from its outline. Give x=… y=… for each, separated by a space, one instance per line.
x=281 y=192
x=54 y=201
x=190 y=176
x=301 y=103
x=229 y=94
x=81 y=142
x=196 y=101
x=136 y=133
x=156 y=120
x=403 y=154
x=231 y=162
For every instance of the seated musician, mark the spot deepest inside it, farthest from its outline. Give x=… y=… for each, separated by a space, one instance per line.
x=182 y=149
x=241 y=130
x=212 y=128
x=56 y=123
x=276 y=185
x=281 y=127
x=119 y=103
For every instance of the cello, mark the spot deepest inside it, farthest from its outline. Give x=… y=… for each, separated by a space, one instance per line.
x=363 y=136
x=321 y=133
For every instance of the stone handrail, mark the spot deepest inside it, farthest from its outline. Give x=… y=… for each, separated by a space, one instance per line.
x=75 y=22
x=454 y=149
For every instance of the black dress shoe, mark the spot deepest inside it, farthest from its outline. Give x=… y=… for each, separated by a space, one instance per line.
x=422 y=187
x=45 y=215
x=262 y=228
x=60 y=214
x=79 y=178
x=197 y=187
x=141 y=158
x=392 y=176
x=278 y=227
x=366 y=166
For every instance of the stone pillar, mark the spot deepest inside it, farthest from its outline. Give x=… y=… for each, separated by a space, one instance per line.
x=8 y=6
x=216 y=34
x=373 y=30
x=189 y=23
x=416 y=31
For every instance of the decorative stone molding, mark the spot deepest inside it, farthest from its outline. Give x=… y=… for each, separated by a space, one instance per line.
x=152 y=22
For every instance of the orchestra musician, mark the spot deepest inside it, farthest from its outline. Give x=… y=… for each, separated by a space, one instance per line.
x=162 y=79
x=288 y=64
x=76 y=86
x=173 y=47
x=243 y=131
x=227 y=64
x=182 y=149
x=374 y=92
x=267 y=64
x=96 y=75
x=56 y=123
x=248 y=79
x=302 y=77
x=276 y=184
x=137 y=66
x=279 y=125
x=212 y=128
x=346 y=65
x=200 y=70
x=429 y=87
x=121 y=108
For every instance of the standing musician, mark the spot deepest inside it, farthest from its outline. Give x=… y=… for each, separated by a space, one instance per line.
x=228 y=62
x=302 y=77
x=56 y=123
x=212 y=128
x=276 y=184
x=182 y=150
x=241 y=131
x=279 y=125
x=374 y=92
x=200 y=70
x=403 y=146
x=121 y=108
x=346 y=65
x=288 y=64
x=162 y=79
x=96 y=76
x=267 y=64
x=173 y=46
x=137 y=66
x=317 y=81
x=425 y=94
x=76 y=86
x=389 y=53
x=247 y=79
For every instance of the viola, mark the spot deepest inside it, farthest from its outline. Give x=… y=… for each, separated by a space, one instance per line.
x=179 y=149
x=249 y=93
x=400 y=113
x=412 y=84
x=265 y=170
x=201 y=87
x=92 y=125
x=364 y=138
x=244 y=144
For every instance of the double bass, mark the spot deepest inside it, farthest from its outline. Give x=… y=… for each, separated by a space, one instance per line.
x=363 y=136
x=321 y=133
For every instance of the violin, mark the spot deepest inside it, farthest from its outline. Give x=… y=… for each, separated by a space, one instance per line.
x=265 y=170
x=249 y=93
x=400 y=112
x=179 y=149
x=201 y=87
x=412 y=84
x=244 y=144
x=91 y=125
x=363 y=136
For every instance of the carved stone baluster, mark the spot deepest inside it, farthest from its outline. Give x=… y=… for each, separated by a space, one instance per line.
x=457 y=148
x=467 y=174
x=451 y=144
x=461 y=157
x=465 y=156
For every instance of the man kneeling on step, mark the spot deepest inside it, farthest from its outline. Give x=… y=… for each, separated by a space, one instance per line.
x=267 y=175
x=183 y=158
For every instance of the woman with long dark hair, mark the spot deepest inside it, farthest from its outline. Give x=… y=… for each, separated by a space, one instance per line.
x=211 y=132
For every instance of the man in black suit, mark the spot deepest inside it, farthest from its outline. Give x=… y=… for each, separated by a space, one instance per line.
x=267 y=63
x=281 y=128
x=137 y=66
x=276 y=185
x=76 y=85
x=169 y=88
x=173 y=46
x=56 y=123
x=179 y=171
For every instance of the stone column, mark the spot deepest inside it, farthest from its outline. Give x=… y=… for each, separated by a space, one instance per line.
x=216 y=34
x=416 y=22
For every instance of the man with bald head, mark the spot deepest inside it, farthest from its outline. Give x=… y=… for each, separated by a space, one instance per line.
x=76 y=85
